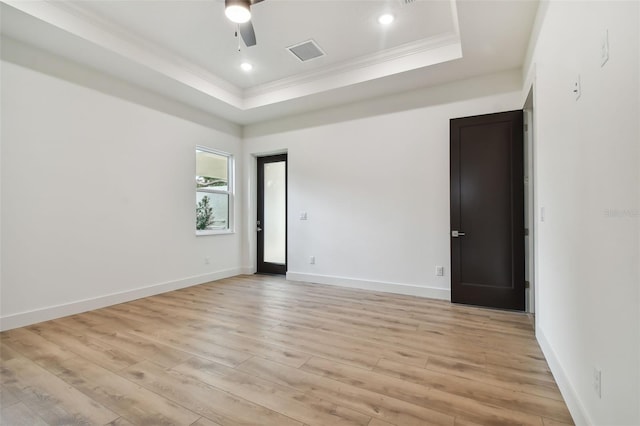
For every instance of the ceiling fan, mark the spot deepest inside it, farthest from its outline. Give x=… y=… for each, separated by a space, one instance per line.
x=239 y=11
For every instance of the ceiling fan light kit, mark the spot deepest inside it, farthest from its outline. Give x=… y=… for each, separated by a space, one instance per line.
x=238 y=10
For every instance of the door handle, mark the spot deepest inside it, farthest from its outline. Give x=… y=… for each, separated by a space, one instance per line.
x=259 y=229
x=457 y=234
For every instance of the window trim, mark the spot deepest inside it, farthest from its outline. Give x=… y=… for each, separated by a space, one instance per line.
x=230 y=192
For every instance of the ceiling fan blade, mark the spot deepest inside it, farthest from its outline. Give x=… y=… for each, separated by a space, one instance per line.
x=248 y=34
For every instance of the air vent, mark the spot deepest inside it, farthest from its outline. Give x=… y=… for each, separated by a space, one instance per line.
x=306 y=51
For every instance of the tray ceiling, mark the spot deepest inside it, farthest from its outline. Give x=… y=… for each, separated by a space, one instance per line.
x=188 y=49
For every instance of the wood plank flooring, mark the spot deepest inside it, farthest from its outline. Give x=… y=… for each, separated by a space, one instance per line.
x=257 y=350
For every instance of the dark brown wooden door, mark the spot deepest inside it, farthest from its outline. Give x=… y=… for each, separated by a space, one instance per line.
x=272 y=214
x=487 y=210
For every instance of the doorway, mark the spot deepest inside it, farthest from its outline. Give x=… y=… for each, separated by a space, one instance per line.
x=272 y=214
x=487 y=210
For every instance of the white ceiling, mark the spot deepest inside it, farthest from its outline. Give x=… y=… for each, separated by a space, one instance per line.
x=187 y=50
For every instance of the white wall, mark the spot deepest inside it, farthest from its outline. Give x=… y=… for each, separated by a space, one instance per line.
x=587 y=170
x=98 y=198
x=374 y=181
x=81 y=169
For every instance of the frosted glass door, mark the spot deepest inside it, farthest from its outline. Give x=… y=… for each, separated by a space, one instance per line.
x=271 y=223
x=275 y=213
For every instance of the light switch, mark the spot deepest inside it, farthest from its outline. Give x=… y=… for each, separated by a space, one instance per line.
x=604 y=48
x=303 y=215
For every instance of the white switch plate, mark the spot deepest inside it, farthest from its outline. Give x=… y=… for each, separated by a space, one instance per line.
x=303 y=215
x=542 y=214
x=440 y=271
x=597 y=382
x=604 y=48
x=312 y=260
x=577 y=90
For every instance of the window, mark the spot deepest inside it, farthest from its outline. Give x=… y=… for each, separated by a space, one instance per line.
x=214 y=191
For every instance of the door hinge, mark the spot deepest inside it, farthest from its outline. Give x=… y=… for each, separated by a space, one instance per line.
x=526 y=127
x=526 y=232
x=526 y=284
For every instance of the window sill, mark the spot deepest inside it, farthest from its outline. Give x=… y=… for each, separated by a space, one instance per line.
x=214 y=232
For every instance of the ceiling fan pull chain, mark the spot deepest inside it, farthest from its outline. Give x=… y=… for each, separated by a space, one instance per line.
x=238 y=38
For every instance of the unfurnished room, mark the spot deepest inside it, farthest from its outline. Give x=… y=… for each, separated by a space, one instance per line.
x=320 y=212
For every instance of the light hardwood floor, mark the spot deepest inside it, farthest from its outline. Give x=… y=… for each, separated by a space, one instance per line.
x=256 y=350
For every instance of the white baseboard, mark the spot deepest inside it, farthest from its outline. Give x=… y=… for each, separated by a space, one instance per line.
x=248 y=270
x=575 y=405
x=58 y=311
x=387 y=287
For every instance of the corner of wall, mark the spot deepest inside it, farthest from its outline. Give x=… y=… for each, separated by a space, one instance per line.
x=528 y=67
x=52 y=312
x=99 y=244
x=571 y=398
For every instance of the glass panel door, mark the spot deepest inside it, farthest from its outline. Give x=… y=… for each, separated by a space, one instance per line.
x=272 y=214
x=275 y=212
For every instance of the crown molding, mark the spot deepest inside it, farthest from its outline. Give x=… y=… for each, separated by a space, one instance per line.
x=84 y=24
x=418 y=54
x=87 y=25
x=389 y=55
x=409 y=56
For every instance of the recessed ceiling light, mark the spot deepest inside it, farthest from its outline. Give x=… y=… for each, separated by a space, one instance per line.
x=246 y=66
x=386 y=19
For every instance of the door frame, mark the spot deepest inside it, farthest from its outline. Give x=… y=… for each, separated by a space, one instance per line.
x=261 y=266
x=530 y=200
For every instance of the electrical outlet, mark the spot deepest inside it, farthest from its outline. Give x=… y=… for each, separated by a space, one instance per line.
x=597 y=382
x=303 y=215
x=207 y=260
x=577 y=88
x=440 y=271
x=312 y=260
